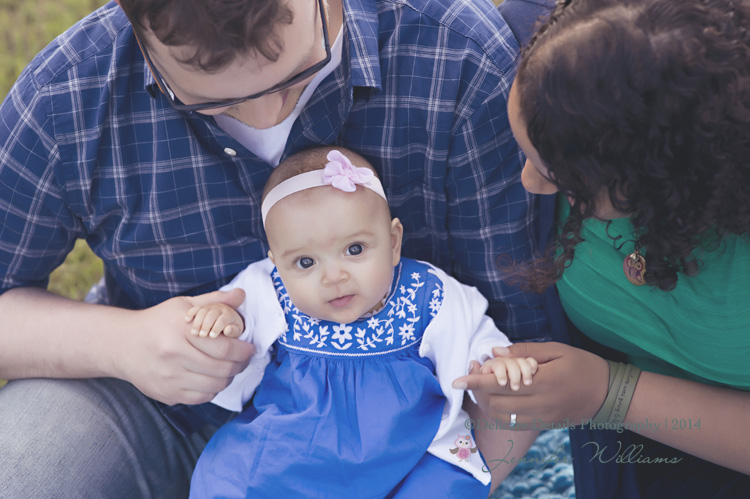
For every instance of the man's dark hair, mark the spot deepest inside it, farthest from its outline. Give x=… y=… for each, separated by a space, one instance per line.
x=218 y=31
x=648 y=101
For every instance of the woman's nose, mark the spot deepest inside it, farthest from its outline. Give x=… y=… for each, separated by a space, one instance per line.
x=534 y=182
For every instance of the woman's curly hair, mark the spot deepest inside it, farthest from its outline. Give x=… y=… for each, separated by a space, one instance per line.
x=648 y=101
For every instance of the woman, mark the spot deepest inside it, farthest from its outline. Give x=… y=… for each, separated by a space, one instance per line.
x=638 y=113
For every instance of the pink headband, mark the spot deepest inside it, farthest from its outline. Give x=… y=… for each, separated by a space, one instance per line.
x=339 y=173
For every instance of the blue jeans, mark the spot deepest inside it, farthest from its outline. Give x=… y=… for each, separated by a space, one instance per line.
x=91 y=438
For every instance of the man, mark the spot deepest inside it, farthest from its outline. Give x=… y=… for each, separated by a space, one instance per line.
x=153 y=142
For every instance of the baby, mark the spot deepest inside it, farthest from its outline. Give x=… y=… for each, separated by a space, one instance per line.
x=356 y=352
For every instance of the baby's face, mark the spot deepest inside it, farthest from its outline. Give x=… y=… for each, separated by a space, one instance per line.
x=335 y=251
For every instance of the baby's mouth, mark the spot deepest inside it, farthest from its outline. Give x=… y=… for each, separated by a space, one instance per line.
x=341 y=301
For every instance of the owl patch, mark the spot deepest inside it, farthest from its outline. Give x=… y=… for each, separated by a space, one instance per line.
x=464 y=448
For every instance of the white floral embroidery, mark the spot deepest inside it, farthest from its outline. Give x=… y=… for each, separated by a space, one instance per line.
x=303 y=326
x=407 y=332
x=342 y=335
x=402 y=307
x=396 y=325
x=437 y=299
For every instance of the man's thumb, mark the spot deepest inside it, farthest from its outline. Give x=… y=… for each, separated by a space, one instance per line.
x=232 y=298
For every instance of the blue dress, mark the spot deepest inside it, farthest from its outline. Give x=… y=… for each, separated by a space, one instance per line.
x=343 y=410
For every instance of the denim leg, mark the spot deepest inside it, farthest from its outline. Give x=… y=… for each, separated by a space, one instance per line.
x=94 y=438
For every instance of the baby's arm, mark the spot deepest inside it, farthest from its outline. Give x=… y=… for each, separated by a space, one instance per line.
x=513 y=369
x=213 y=319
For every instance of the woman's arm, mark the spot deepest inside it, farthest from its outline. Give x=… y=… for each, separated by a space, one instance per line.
x=571 y=384
x=703 y=420
x=502 y=449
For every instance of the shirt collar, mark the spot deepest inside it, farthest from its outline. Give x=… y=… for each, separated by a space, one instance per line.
x=361 y=20
x=149 y=82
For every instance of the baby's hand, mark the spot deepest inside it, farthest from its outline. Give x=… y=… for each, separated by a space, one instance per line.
x=511 y=368
x=213 y=319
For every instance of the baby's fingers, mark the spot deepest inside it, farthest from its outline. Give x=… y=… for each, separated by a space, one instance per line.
x=485 y=368
x=212 y=323
x=513 y=372
x=190 y=314
x=198 y=320
x=500 y=373
x=222 y=323
x=528 y=367
x=232 y=331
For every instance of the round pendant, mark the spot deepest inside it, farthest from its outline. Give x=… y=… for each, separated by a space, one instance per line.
x=634 y=267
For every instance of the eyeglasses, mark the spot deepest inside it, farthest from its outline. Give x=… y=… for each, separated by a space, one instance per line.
x=294 y=80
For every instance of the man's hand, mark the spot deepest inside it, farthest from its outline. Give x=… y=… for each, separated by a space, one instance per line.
x=166 y=362
x=570 y=384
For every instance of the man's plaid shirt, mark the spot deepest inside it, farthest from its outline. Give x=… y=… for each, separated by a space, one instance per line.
x=171 y=203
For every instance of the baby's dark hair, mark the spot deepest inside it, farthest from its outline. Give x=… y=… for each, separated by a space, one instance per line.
x=310 y=160
x=649 y=101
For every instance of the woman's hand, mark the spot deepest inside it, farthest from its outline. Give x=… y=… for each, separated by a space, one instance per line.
x=570 y=385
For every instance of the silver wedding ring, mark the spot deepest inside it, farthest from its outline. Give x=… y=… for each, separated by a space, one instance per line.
x=512 y=421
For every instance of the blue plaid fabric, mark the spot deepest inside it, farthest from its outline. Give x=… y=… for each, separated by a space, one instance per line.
x=171 y=203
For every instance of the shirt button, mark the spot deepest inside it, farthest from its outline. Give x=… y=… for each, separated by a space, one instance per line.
x=230 y=152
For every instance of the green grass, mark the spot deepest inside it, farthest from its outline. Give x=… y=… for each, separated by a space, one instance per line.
x=25 y=28
x=77 y=273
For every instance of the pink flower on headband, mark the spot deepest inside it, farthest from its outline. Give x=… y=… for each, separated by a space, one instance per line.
x=342 y=174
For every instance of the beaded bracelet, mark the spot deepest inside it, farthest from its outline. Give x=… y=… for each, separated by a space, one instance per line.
x=622 y=381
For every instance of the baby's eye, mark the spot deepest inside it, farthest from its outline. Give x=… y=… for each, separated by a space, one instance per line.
x=354 y=250
x=305 y=262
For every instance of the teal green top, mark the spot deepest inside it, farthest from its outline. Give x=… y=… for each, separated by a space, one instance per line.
x=699 y=331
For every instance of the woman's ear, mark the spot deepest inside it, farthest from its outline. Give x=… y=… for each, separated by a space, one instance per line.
x=397 y=233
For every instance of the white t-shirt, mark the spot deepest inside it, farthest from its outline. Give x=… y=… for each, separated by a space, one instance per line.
x=268 y=144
